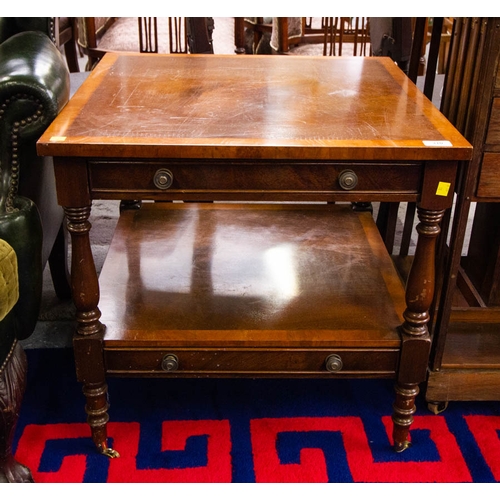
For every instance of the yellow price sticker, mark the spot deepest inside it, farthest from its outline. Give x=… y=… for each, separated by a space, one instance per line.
x=443 y=189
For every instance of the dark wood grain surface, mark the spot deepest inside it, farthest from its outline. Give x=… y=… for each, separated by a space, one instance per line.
x=297 y=107
x=206 y=274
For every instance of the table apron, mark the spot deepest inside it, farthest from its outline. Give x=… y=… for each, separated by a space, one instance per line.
x=251 y=362
x=255 y=180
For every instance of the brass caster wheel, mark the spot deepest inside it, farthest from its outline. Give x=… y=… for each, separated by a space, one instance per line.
x=109 y=452
x=400 y=447
x=437 y=407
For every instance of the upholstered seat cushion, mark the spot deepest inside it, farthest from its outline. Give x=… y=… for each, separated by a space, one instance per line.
x=9 y=281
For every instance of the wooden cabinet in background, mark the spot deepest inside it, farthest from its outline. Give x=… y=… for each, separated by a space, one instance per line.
x=465 y=363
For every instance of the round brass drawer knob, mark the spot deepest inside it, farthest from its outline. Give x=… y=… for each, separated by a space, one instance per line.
x=170 y=363
x=333 y=363
x=163 y=178
x=348 y=180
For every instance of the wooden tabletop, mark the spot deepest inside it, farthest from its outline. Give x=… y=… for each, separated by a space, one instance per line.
x=225 y=106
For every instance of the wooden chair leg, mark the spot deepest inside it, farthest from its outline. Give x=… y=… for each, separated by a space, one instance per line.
x=71 y=54
x=58 y=262
x=407 y=229
x=386 y=222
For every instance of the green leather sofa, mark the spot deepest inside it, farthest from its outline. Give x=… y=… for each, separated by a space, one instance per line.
x=34 y=68
x=34 y=87
x=61 y=30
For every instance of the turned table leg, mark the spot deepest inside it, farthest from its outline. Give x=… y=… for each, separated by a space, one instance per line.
x=89 y=333
x=414 y=332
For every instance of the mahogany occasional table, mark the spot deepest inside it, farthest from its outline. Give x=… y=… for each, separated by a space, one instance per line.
x=231 y=288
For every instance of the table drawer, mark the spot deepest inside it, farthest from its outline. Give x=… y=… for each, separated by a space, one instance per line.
x=228 y=180
x=251 y=362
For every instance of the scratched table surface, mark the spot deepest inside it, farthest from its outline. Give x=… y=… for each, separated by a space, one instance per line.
x=201 y=106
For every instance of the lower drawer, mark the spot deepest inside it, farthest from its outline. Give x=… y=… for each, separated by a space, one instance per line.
x=251 y=362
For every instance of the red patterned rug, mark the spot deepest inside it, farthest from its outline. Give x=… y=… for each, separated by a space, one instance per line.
x=245 y=431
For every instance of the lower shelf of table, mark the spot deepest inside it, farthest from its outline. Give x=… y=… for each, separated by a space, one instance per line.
x=250 y=290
